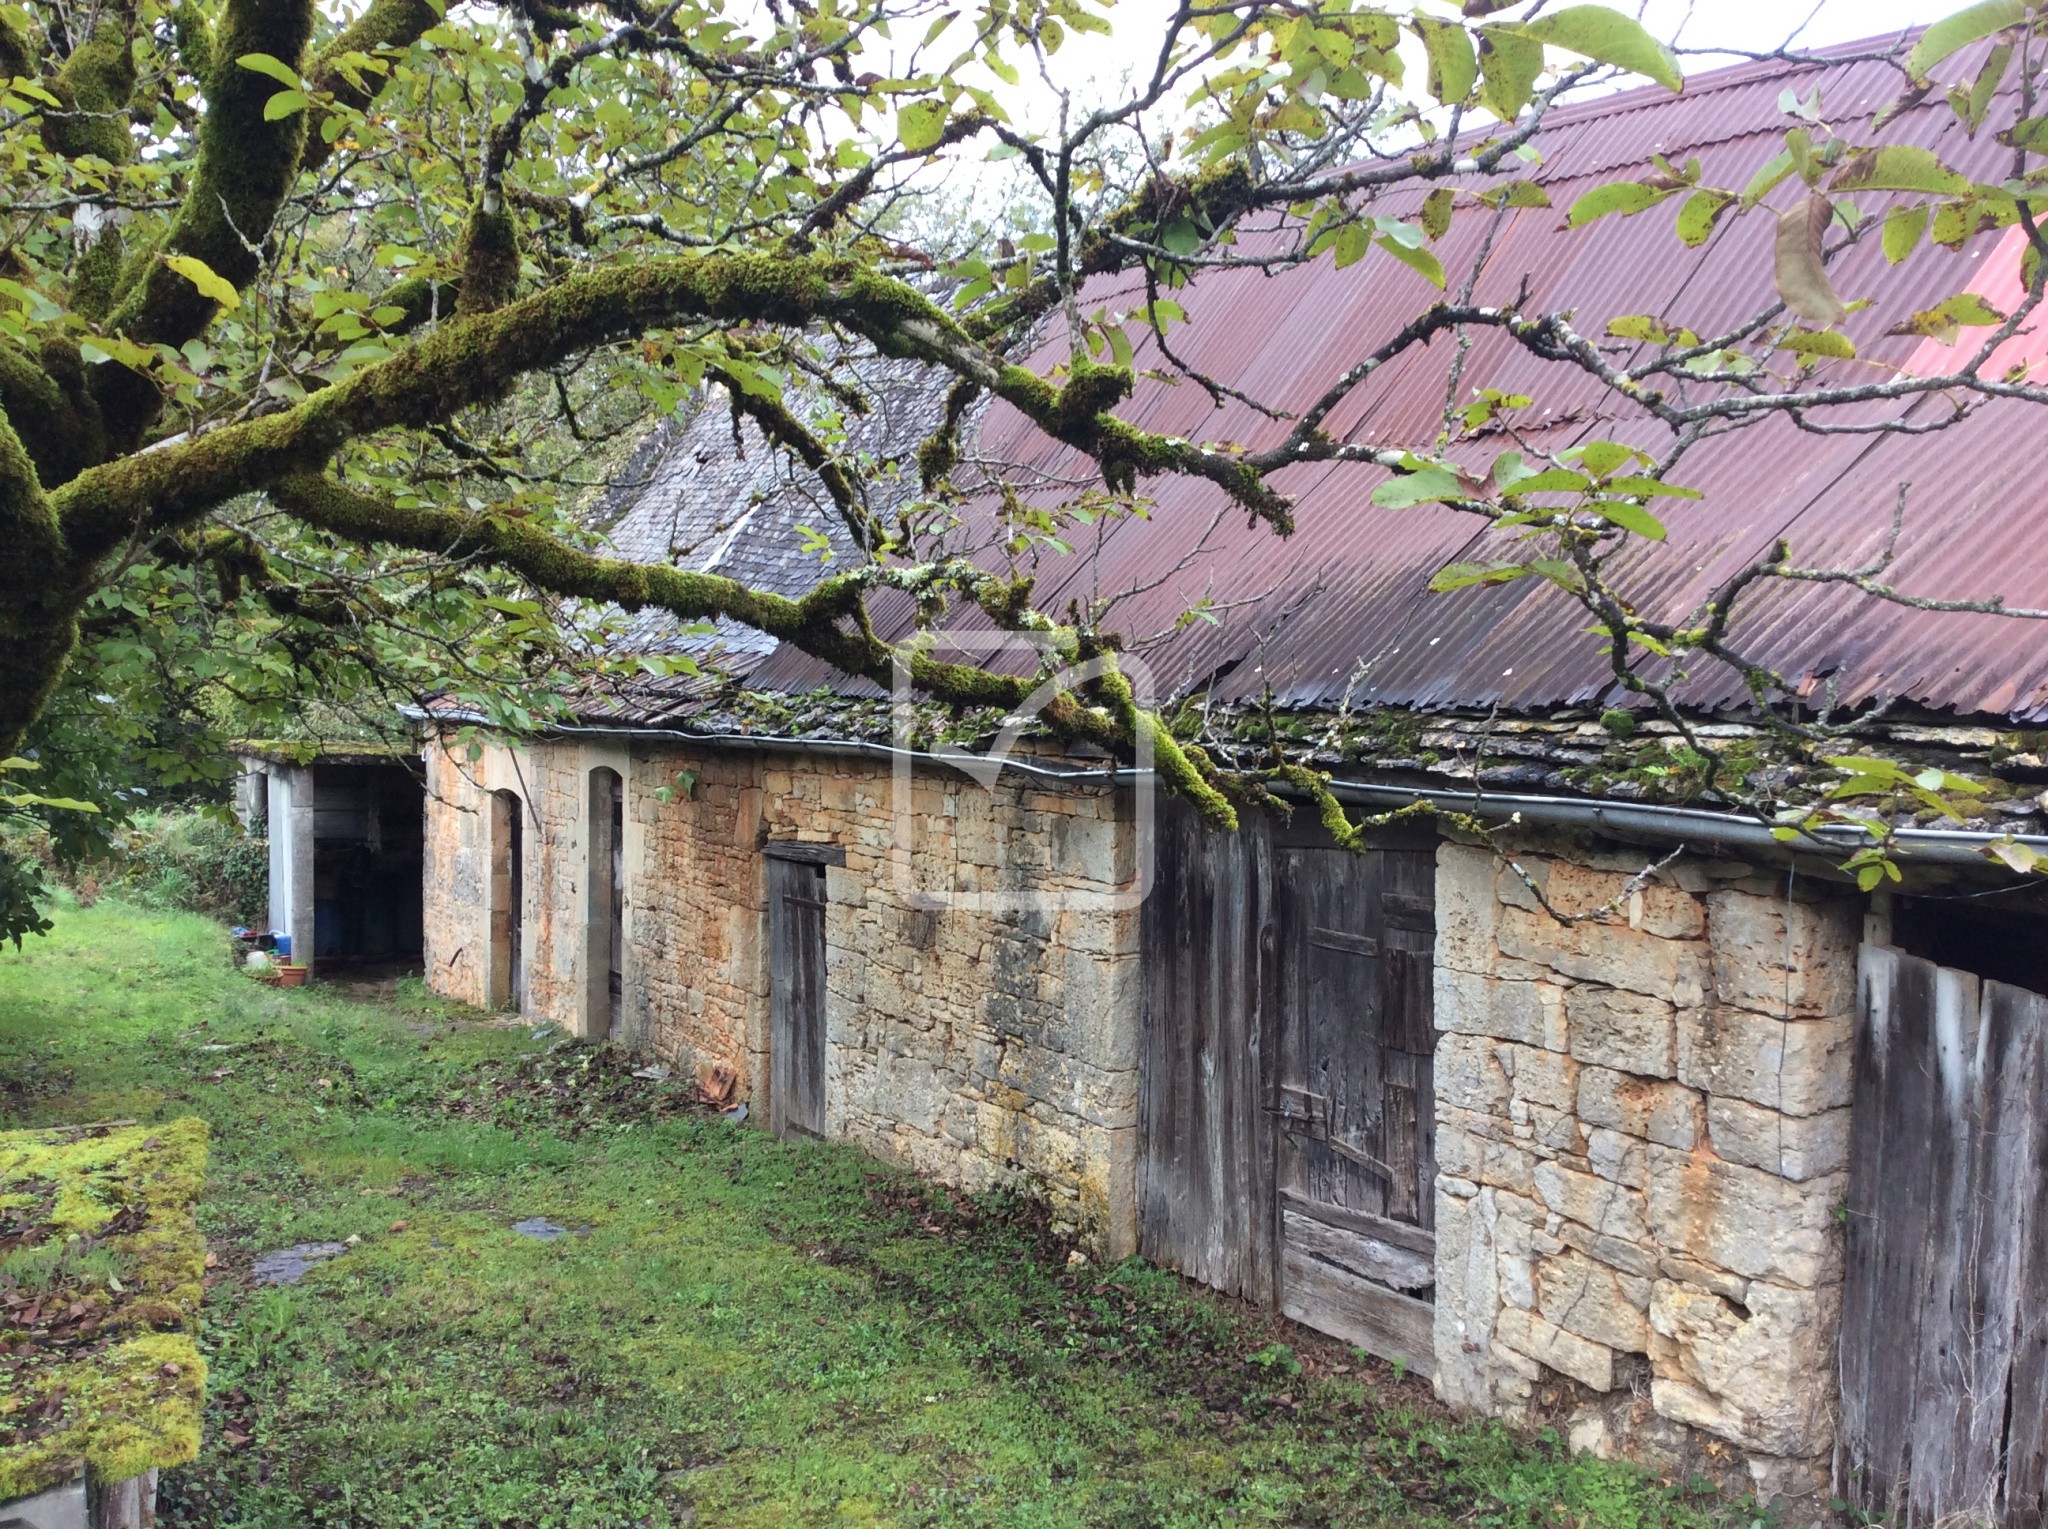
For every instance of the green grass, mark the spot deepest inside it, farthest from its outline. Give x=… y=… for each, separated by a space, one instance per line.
x=749 y=1332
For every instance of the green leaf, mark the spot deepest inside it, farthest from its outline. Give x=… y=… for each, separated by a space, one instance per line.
x=1421 y=261
x=1899 y=167
x=1696 y=219
x=1508 y=67
x=1903 y=227
x=1514 y=194
x=1351 y=243
x=1436 y=212
x=1453 y=66
x=1651 y=487
x=1625 y=197
x=204 y=277
x=1465 y=575
x=277 y=69
x=1960 y=30
x=1818 y=344
x=1767 y=179
x=1988 y=80
x=1630 y=517
x=1554 y=480
x=1601 y=457
x=1946 y=320
x=1430 y=485
x=921 y=124
x=1606 y=37
x=284 y=103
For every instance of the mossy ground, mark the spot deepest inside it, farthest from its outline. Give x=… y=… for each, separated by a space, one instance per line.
x=100 y=1285
x=749 y=1332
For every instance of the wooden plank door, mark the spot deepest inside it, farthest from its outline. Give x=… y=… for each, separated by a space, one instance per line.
x=1205 y=1172
x=796 y=957
x=615 y=900
x=1353 y=1102
x=1944 y=1347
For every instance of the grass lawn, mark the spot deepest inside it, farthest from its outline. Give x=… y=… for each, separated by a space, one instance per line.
x=735 y=1331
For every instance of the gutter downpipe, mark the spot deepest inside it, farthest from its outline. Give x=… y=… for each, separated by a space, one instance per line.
x=1691 y=825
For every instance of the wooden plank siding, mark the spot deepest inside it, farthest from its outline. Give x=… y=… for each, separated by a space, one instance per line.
x=1943 y=1357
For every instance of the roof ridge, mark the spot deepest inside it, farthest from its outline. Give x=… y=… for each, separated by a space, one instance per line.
x=1727 y=77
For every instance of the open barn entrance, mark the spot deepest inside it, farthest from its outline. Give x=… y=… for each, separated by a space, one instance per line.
x=1286 y=1104
x=347 y=845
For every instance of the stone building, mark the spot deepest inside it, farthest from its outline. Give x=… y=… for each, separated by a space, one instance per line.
x=1565 y=1116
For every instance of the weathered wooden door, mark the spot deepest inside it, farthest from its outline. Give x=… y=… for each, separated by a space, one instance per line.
x=1944 y=1348
x=615 y=909
x=1286 y=1114
x=506 y=981
x=1352 y=1103
x=796 y=977
x=1205 y=1147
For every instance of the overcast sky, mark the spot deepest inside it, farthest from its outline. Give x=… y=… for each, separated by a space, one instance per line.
x=1750 y=24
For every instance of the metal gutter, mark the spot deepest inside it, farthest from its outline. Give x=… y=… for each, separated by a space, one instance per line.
x=1691 y=825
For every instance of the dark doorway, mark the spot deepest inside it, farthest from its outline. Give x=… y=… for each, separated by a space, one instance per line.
x=607 y=912
x=368 y=826
x=508 y=901
x=796 y=966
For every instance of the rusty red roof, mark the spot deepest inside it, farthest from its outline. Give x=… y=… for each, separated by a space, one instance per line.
x=1341 y=607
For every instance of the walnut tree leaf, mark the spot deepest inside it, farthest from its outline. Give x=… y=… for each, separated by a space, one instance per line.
x=1798 y=272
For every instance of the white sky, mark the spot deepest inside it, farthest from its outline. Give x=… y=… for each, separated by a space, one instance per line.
x=1752 y=24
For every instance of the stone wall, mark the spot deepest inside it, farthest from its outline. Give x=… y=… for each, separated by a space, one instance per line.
x=977 y=1044
x=1642 y=1128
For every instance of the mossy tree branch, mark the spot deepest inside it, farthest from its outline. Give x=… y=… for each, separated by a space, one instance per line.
x=476 y=359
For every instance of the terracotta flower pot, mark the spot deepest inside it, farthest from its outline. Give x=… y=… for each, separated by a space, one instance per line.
x=291 y=976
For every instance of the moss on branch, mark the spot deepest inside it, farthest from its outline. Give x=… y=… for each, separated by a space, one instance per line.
x=477 y=358
x=38 y=608
x=246 y=166
x=95 y=85
x=392 y=24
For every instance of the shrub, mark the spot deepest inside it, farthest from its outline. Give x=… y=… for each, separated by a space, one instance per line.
x=197 y=862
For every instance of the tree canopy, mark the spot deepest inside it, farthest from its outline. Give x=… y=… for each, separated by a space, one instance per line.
x=317 y=322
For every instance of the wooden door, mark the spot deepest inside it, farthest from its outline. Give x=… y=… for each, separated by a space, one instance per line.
x=506 y=980
x=615 y=945
x=1944 y=1346
x=796 y=957
x=1353 y=1104
x=1205 y=1170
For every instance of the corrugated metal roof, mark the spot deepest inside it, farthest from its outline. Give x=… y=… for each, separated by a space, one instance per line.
x=1340 y=608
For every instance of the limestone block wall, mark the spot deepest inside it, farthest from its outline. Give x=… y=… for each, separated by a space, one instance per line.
x=1643 y=1128
x=550 y=785
x=977 y=1038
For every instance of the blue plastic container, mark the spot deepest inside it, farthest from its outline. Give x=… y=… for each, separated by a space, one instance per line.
x=282 y=944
